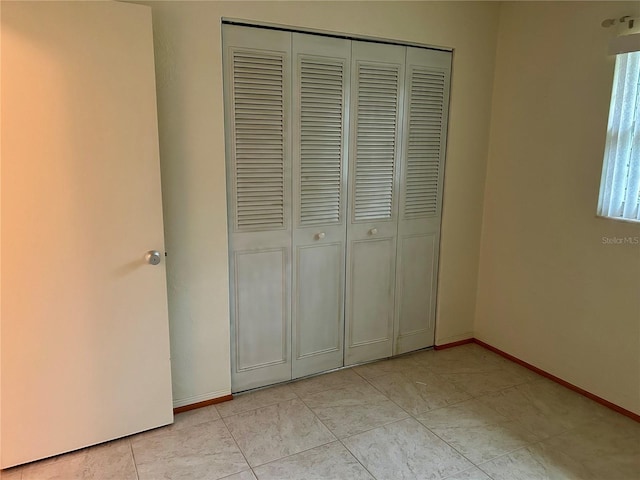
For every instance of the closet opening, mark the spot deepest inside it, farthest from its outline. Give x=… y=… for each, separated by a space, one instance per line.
x=335 y=153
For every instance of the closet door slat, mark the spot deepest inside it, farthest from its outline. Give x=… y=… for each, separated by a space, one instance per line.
x=421 y=189
x=258 y=81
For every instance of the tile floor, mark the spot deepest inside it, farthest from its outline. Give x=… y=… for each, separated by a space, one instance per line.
x=462 y=413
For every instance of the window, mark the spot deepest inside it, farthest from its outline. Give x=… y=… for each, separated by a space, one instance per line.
x=620 y=185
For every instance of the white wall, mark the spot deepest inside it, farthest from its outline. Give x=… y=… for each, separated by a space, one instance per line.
x=188 y=64
x=549 y=291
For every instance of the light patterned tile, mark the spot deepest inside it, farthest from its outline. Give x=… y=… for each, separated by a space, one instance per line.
x=332 y=461
x=109 y=461
x=472 y=474
x=350 y=410
x=607 y=448
x=405 y=450
x=419 y=391
x=199 y=452
x=383 y=367
x=480 y=444
x=277 y=431
x=196 y=417
x=545 y=408
x=463 y=359
x=536 y=462
x=327 y=381
x=244 y=402
x=246 y=475
x=477 y=431
x=481 y=383
x=467 y=414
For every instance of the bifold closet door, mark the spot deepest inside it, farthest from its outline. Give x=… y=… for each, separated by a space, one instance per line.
x=377 y=75
x=320 y=96
x=257 y=105
x=335 y=157
x=424 y=141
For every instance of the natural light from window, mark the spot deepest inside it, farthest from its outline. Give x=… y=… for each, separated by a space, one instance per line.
x=620 y=184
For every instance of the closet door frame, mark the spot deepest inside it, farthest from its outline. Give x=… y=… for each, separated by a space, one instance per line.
x=367 y=257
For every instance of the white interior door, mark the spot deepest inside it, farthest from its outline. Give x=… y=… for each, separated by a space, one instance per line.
x=85 y=342
x=424 y=142
x=320 y=99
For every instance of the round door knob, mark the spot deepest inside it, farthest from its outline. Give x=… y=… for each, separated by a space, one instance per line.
x=320 y=235
x=373 y=231
x=153 y=257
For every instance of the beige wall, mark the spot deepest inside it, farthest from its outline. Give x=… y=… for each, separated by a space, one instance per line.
x=549 y=291
x=188 y=64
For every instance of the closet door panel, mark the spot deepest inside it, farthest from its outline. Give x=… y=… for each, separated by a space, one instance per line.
x=261 y=284
x=257 y=66
x=319 y=301
x=424 y=141
x=320 y=99
x=414 y=291
x=377 y=73
x=372 y=266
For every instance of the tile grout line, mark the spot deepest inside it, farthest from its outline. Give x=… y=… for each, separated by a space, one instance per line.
x=286 y=456
x=133 y=457
x=535 y=379
x=340 y=439
x=368 y=429
x=414 y=417
x=261 y=406
x=411 y=416
x=486 y=461
x=428 y=410
x=237 y=446
x=450 y=446
x=357 y=459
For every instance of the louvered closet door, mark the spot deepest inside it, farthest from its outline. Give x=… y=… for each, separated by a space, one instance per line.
x=257 y=112
x=320 y=87
x=377 y=75
x=423 y=153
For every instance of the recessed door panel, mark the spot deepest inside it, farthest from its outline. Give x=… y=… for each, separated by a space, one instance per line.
x=371 y=276
x=414 y=291
x=318 y=313
x=261 y=312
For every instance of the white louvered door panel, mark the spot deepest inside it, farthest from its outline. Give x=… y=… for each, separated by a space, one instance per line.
x=377 y=79
x=321 y=68
x=257 y=71
x=423 y=153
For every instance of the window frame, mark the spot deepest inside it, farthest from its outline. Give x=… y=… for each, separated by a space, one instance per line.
x=621 y=162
